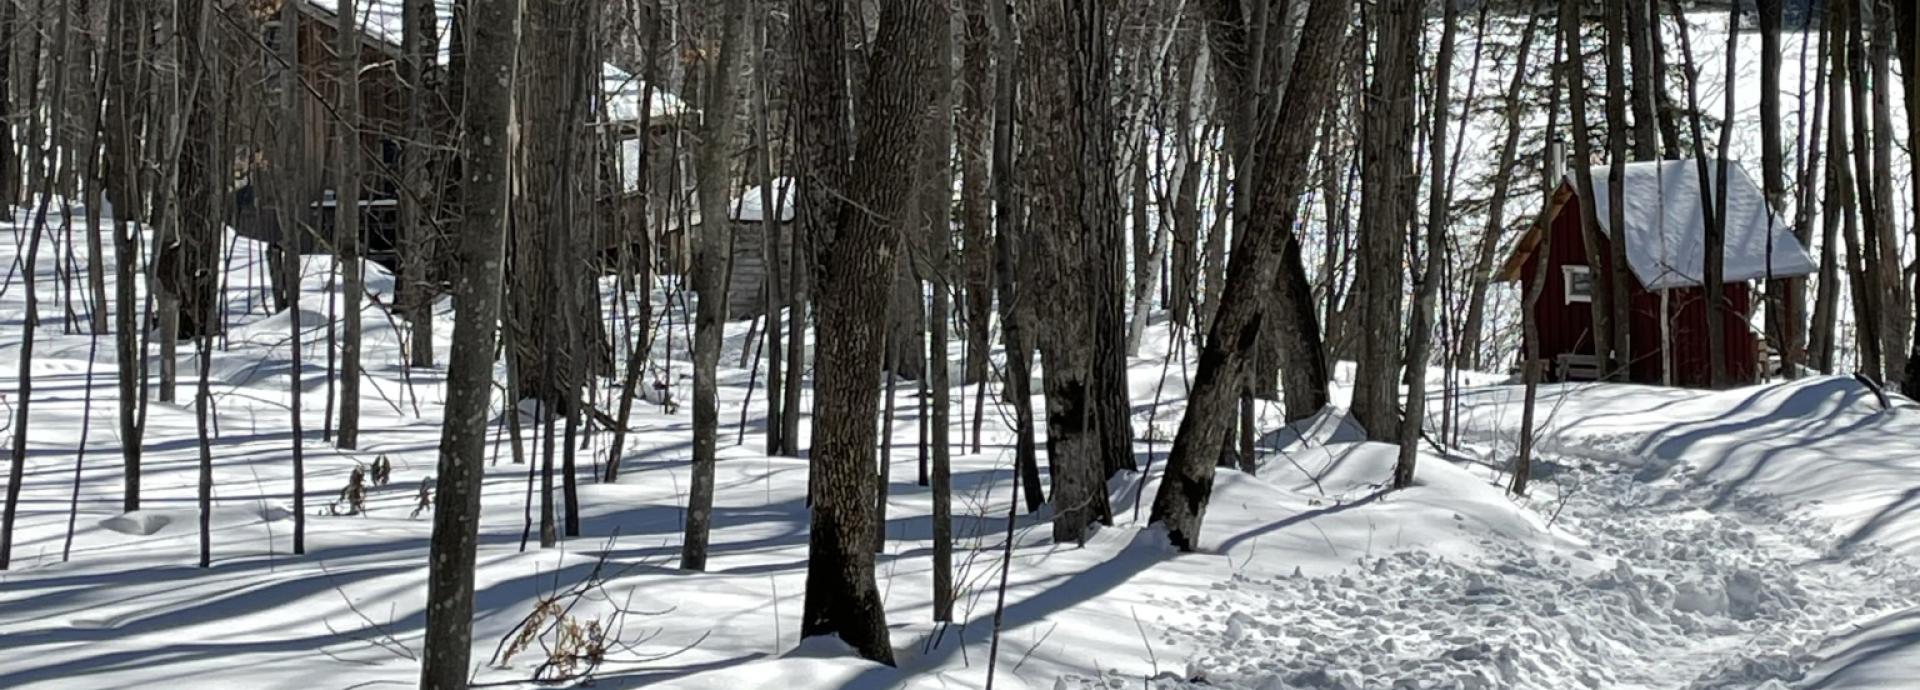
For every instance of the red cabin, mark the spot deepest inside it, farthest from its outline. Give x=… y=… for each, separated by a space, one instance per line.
x=1665 y=236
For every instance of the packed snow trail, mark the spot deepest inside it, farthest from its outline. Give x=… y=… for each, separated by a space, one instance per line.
x=1667 y=592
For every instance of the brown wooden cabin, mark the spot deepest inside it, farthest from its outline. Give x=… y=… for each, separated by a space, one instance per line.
x=384 y=118
x=1665 y=236
x=315 y=164
x=748 y=277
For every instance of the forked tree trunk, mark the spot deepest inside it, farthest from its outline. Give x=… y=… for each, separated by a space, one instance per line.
x=1008 y=269
x=1068 y=159
x=1891 y=283
x=1427 y=281
x=1820 y=336
x=856 y=267
x=1387 y=204
x=1182 y=498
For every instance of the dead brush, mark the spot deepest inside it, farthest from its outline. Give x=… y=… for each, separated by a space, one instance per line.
x=353 y=495
x=572 y=645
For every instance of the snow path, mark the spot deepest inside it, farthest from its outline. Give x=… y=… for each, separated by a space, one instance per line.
x=1668 y=594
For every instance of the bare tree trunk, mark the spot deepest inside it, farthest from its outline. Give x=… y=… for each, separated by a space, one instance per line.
x=347 y=225
x=1907 y=20
x=416 y=216
x=1427 y=281
x=1619 y=320
x=1820 y=336
x=1530 y=363
x=1840 y=206
x=1008 y=266
x=643 y=280
x=91 y=164
x=1891 y=286
x=1069 y=157
x=1782 y=302
x=857 y=264
x=487 y=115
x=771 y=202
x=1287 y=142
x=123 y=163
x=292 y=265
x=721 y=40
x=973 y=131
x=1387 y=176
x=931 y=220
x=201 y=182
x=1714 y=210
x=1863 y=247
x=1590 y=231
x=23 y=398
x=1473 y=335
x=9 y=154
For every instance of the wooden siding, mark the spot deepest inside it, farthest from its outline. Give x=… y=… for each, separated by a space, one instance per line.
x=744 y=300
x=1567 y=327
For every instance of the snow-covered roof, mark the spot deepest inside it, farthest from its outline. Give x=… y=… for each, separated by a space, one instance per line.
x=1666 y=229
x=383 y=20
x=384 y=27
x=623 y=92
x=1666 y=226
x=748 y=208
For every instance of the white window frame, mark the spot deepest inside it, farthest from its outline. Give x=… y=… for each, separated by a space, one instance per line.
x=1567 y=274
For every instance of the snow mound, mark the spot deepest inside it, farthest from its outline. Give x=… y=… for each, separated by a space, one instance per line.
x=140 y=523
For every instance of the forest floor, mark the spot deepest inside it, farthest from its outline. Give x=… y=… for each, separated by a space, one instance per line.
x=1763 y=537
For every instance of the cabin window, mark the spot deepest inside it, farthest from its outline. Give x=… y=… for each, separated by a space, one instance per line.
x=1579 y=282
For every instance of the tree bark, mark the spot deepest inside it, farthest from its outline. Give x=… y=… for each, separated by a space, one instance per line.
x=419 y=47
x=1590 y=231
x=1782 y=305
x=1891 y=284
x=973 y=130
x=487 y=115
x=1008 y=269
x=711 y=263
x=1907 y=24
x=1820 y=336
x=1389 y=184
x=1620 y=321
x=1427 y=281
x=291 y=203
x=1069 y=154
x=857 y=262
x=1286 y=145
x=1473 y=334
x=347 y=224
x=772 y=200
x=931 y=219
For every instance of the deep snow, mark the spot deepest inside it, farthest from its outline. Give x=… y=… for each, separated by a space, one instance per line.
x=1763 y=537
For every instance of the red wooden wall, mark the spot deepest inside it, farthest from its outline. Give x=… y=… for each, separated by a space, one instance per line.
x=1568 y=327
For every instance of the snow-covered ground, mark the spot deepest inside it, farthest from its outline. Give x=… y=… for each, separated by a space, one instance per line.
x=1763 y=537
